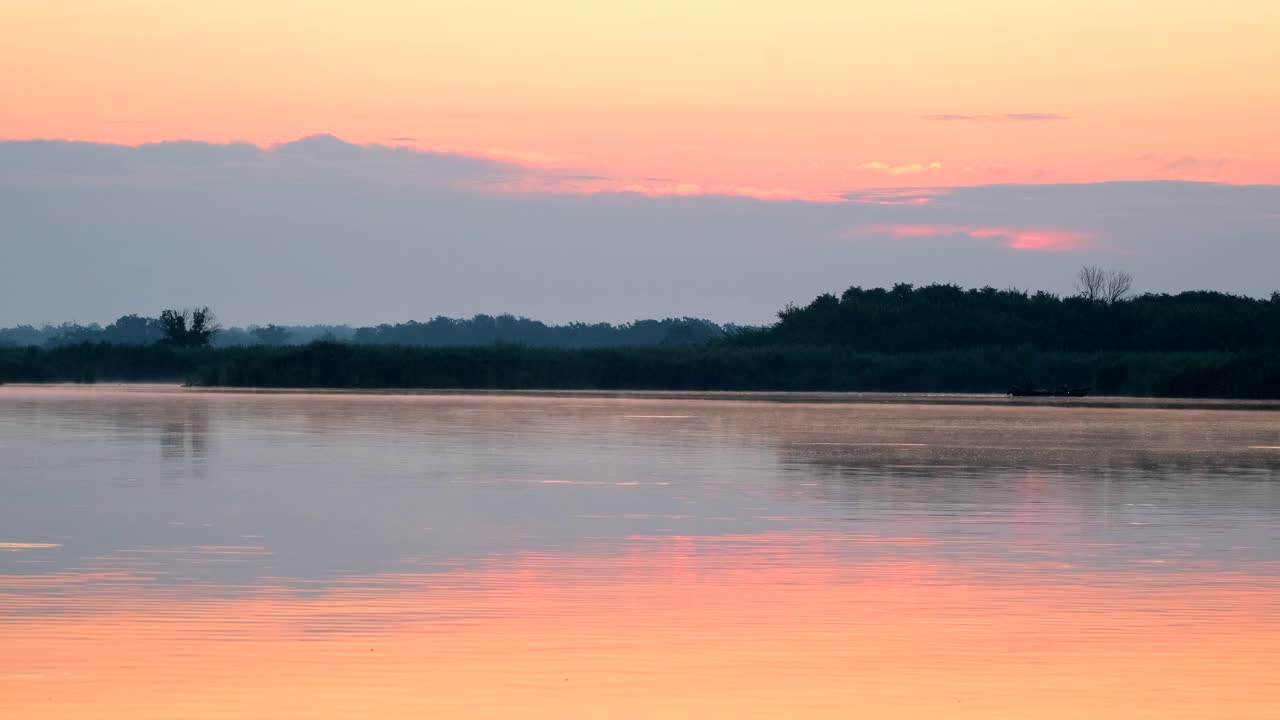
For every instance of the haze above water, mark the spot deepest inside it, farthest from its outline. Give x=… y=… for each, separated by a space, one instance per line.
x=175 y=554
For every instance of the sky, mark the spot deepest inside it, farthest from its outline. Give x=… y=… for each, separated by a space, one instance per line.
x=606 y=161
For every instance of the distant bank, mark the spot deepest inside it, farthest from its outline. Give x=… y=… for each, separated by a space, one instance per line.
x=936 y=338
x=721 y=366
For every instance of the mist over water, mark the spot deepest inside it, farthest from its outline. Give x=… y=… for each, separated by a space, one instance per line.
x=167 y=553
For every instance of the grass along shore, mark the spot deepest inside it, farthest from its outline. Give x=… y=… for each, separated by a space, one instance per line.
x=716 y=366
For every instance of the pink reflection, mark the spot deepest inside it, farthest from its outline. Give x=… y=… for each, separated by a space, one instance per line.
x=767 y=626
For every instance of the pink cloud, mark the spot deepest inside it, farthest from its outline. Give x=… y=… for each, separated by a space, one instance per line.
x=1041 y=239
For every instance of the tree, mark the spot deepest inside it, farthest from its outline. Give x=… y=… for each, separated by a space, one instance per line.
x=203 y=325
x=174 y=324
x=1091 y=282
x=270 y=335
x=1105 y=286
x=189 y=328
x=1119 y=283
x=133 y=330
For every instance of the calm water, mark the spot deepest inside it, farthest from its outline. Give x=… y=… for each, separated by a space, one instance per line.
x=173 y=554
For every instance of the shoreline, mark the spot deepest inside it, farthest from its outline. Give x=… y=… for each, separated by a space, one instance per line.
x=1119 y=402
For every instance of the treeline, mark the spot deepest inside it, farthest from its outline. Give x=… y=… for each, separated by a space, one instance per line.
x=509 y=329
x=436 y=332
x=936 y=338
x=900 y=319
x=715 y=366
x=933 y=318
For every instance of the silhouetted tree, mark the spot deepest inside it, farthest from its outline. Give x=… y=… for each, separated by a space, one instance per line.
x=1091 y=282
x=189 y=328
x=203 y=325
x=1105 y=286
x=174 y=324
x=1119 y=283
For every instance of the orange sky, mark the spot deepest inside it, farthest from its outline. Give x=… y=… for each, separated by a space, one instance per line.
x=811 y=95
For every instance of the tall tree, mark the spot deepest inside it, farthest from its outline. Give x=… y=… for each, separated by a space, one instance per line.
x=1091 y=282
x=1119 y=283
x=189 y=328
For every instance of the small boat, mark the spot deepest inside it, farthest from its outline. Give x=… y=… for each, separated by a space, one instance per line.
x=1061 y=391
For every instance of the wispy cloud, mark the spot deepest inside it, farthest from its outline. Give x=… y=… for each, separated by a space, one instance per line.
x=895 y=196
x=519 y=156
x=689 y=189
x=1184 y=163
x=907 y=169
x=1040 y=239
x=996 y=117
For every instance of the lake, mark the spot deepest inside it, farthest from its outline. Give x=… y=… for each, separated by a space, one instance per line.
x=167 y=553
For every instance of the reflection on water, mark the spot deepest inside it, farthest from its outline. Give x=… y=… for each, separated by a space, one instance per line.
x=184 y=436
x=175 y=554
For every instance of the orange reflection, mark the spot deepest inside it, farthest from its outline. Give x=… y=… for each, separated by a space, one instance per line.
x=763 y=626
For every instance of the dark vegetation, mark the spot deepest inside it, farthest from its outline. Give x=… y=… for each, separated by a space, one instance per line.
x=935 y=318
x=187 y=327
x=938 y=338
x=94 y=362
x=716 y=366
